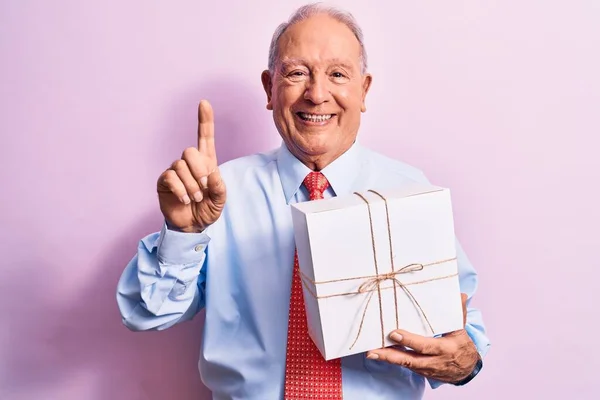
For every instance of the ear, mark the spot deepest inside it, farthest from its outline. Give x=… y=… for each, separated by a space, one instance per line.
x=267 y=82
x=367 y=79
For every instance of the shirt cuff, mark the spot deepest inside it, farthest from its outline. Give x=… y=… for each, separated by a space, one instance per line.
x=482 y=343
x=177 y=248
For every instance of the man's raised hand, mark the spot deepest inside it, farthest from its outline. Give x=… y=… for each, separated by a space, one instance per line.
x=191 y=192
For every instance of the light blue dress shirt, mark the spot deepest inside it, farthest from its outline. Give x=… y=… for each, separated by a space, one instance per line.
x=240 y=271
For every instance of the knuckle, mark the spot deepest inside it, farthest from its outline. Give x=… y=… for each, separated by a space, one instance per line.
x=163 y=177
x=170 y=178
x=167 y=176
x=436 y=347
x=178 y=165
x=452 y=347
x=188 y=153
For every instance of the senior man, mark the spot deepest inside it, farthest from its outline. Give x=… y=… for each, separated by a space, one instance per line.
x=227 y=243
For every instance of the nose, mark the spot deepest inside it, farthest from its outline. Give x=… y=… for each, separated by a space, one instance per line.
x=317 y=89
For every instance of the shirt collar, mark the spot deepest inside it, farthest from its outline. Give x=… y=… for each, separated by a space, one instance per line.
x=341 y=173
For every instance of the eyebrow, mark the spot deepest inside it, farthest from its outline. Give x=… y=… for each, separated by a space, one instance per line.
x=299 y=61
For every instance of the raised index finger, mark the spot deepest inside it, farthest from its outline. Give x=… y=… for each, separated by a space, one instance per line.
x=206 y=130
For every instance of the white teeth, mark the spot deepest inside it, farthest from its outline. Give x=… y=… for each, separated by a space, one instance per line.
x=315 y=117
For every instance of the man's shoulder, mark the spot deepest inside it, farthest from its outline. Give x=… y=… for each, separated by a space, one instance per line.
x=386 y=165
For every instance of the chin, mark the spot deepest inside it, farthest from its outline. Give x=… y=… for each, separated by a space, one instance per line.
x=315 y=145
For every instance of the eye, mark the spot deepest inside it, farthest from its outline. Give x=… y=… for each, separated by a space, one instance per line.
x=297 y=73
x=339 y=77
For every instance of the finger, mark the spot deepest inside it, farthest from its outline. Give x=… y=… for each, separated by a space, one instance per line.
x=170 y=182
x=200 y=165
x=420 y=344
x=408 y=359
x=216 y=187
x=206 y=130
x=185 y=176
x=464 y=298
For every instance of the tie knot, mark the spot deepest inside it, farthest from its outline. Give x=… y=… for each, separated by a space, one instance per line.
x=316 y=183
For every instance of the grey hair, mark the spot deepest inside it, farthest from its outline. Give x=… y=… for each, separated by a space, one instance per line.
x=311 y=10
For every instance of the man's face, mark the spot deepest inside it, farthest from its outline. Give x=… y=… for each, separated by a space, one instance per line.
x=317 y=91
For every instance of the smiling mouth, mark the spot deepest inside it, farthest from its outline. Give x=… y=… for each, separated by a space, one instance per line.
x=314 y=117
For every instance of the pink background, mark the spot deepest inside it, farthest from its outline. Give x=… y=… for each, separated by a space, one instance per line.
x=500 y=101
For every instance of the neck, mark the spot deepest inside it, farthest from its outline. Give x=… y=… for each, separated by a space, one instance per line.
x=317 y=163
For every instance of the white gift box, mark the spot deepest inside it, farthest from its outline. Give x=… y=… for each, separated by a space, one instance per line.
x=375 y=261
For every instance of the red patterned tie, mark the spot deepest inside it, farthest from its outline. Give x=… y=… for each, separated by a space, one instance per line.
x=307 y=374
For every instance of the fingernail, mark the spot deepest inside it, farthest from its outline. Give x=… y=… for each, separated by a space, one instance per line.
x=204 y=182
x=198 y=196
x=186 y=199
x=373 y=356
x=396 y=337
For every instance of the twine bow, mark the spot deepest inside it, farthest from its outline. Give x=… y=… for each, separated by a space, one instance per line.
x=374 y=284
x=390 y=276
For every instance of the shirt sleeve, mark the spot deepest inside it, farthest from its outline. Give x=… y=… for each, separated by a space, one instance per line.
x=164 y=282
x=475 y=327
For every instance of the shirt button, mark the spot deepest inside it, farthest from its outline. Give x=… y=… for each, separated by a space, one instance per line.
x=199 y=247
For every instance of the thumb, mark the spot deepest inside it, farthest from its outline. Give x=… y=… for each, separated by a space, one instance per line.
x=216 y=187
